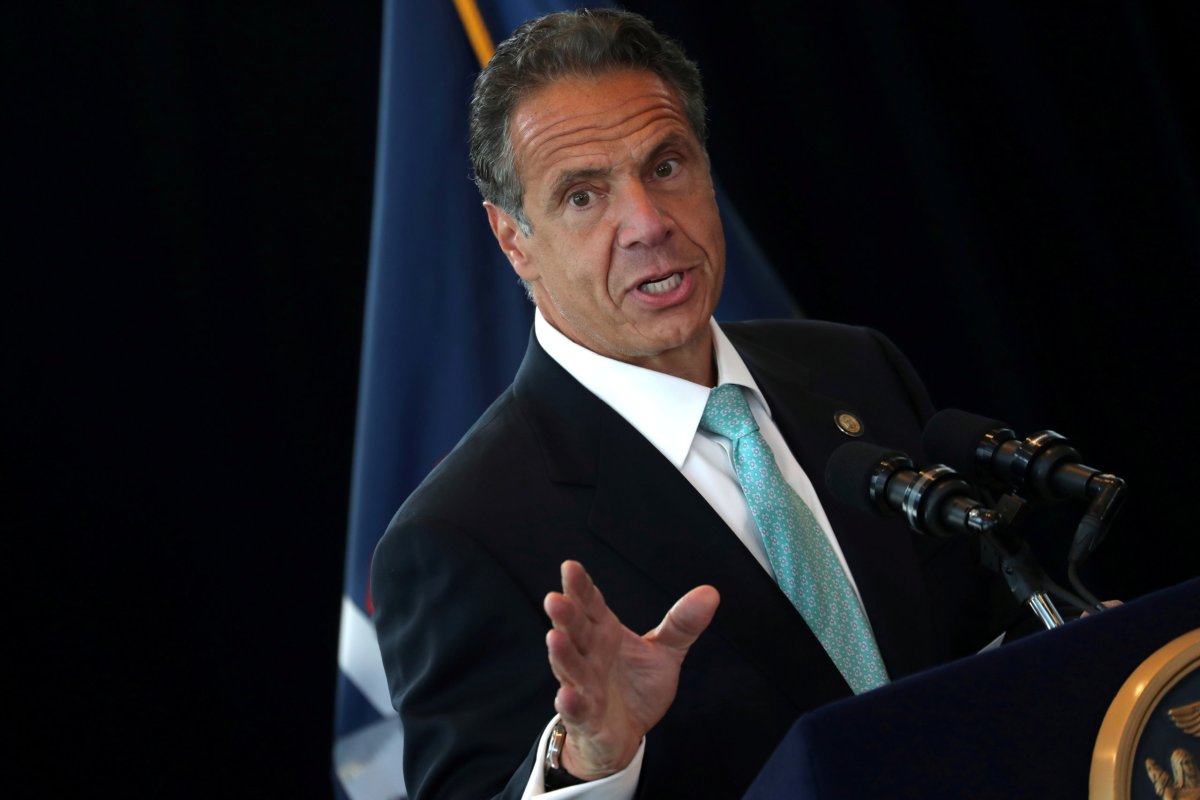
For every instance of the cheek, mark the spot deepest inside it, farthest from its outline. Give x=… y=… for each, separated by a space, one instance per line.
x=714 y=231
x=590 y=271
x=714 y=245
x=577 y=265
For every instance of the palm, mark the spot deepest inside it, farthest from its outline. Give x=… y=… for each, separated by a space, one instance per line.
x=614 y=684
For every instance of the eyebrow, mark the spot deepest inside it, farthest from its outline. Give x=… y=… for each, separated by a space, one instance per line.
x=569 y=177
x=673 y=141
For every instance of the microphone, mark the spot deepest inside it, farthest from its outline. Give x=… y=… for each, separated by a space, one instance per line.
x=1043 y=465
x=938 y=502
x=987 y=451
x=934 y=501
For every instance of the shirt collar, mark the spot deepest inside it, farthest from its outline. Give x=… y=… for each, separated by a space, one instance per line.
x=664 y=409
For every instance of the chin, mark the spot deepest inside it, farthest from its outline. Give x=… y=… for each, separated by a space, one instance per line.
x=675 y=338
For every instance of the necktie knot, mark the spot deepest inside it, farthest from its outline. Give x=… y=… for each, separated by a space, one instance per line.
x=727 y=413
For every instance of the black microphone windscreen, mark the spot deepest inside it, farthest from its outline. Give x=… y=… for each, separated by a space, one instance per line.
x=848 y=473
x=952 y=436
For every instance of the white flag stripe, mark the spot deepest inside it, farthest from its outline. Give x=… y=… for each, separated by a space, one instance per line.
x=369 y=762
x=359 y=658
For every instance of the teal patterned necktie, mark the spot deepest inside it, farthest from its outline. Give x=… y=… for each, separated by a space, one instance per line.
x=805 y=565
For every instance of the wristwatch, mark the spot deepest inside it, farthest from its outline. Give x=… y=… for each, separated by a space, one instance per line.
x=556 y=777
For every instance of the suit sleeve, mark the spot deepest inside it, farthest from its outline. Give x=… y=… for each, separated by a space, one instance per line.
x=443 y=608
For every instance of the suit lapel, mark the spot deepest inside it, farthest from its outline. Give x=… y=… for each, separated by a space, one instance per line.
x=649 y=514
x=878 y=551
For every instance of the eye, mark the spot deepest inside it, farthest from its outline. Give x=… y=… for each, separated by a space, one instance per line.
x=580 y=199
x=666 y=169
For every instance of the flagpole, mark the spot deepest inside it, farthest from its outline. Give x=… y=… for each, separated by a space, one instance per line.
x=477 y=32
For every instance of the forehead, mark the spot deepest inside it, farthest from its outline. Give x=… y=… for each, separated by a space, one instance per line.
x=576 y=120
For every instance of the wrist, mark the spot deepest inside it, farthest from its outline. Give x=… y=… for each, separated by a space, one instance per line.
x=556 y=775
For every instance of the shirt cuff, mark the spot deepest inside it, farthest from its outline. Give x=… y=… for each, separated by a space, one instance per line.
x=994 y=643
x=618 y=786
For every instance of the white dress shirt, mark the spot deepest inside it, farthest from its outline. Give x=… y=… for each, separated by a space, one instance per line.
x=667 y=410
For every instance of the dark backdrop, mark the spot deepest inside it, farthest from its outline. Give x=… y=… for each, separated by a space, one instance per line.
x=1010 y=194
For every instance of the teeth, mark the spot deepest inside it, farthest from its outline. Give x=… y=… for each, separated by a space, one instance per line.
x=663 y=286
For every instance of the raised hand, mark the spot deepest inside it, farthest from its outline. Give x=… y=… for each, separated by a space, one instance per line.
x=614 y=685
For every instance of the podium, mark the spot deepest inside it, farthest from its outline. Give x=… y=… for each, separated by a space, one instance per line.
x=1017 y=721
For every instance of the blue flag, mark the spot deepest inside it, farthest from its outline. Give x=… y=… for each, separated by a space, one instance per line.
x=446 y=325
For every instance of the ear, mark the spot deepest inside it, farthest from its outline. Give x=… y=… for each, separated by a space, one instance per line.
x=511 y=240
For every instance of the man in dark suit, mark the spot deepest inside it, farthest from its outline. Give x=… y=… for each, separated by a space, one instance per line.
x=588 y=145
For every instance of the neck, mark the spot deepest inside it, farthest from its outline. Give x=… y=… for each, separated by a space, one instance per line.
x=694 y=361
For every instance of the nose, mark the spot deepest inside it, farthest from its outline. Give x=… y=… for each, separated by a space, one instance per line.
x=642 y=221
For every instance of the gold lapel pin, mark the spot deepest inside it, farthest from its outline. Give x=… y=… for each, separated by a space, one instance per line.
x=848 y=423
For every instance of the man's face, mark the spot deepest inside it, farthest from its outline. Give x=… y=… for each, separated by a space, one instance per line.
x=627 y=255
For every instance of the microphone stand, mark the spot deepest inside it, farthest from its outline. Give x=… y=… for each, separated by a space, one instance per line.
x=1010 y=556
x=1014 y=561
x=1107 y=494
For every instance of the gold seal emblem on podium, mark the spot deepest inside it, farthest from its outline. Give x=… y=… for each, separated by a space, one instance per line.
x=1149 y=742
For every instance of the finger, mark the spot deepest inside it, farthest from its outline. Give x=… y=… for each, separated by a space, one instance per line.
x=578 y=584
x=687 y=619
x=593 y=621
x=570 y=705
x=574 y=700
x=569 y=641
x=567 y=616
x=575 y=579
x=566 y=662
x=560 y=609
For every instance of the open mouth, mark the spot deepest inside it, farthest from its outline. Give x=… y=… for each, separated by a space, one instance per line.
x=662 y=285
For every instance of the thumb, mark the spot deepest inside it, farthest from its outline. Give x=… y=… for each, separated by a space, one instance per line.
x=687 y=619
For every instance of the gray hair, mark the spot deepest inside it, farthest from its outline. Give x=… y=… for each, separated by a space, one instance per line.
x=586 y=42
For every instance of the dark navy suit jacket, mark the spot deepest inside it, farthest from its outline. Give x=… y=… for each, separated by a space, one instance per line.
x=550 y=472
